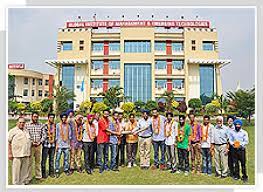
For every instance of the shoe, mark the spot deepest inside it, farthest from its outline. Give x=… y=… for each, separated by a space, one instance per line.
x=115 y=169
x=68 y=173
x=209 y=174
x=57 y=175
x=217 y=175
x=101 y=170
x=173 y=171
x=193 y=172
x=89 y=171
x=134 y=165
x=129 y=165
x=245 y=180
x=223 y=177
x=79 y=170
x=154 y=167
x=198 y=173
x=186 y=173
x=106 y=168
x=44 y=176
x=178 y=172
x=162 y=167
x=52 y=175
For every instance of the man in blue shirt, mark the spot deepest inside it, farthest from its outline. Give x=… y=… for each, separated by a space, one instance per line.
x=238 y=138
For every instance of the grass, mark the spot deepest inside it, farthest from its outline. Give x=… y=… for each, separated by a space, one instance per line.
x=135 y=176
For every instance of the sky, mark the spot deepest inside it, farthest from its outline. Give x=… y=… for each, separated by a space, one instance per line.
x=32 y=35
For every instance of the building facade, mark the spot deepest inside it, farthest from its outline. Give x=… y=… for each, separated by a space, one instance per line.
x=29 y=85
x=146 y=58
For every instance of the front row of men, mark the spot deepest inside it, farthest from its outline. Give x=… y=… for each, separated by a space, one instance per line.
x=99 y=135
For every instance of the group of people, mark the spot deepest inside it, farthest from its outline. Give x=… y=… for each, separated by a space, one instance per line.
x=172 y=138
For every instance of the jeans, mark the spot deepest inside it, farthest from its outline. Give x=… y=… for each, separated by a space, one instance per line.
x=120 y=159
x=103 y=150
x=183 y=157
x=113 y=150
x=65 y=152
x=88 y=148
x=231 y=160
x=207 y=161
x=131 y=152
x=48 y=153
x=239 y=155
x=156 y=146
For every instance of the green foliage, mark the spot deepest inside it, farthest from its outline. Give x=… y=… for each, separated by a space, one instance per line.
x=128 y=108
x=21 y=108
x=47 y=105
x=169 y=98
x=63 y=97
x=98 y=107
x=150 y=105
x=195 y=104
x=211 y=108
x=12 y=106
x=11 y=86
x=85 y=107
x=36 y=106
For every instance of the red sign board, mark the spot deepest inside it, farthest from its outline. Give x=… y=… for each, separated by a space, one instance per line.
x=16 y=66
x=174 y=24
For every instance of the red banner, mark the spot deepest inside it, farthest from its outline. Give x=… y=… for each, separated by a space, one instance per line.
x=174 y=24
x=16 y=66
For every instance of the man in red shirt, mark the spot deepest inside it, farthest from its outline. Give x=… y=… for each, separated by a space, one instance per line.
x=103 y=139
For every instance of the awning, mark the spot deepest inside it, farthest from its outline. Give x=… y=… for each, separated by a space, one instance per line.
x=221 y=62
x=54 y=63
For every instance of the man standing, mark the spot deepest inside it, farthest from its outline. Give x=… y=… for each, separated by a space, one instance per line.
x=144 y=130
x=90 y=131
x=103 y=141
x=114 y=130
x=171 y=131
x=49 y=146
x=131 y=141
x=231 y=127
x=76 y=144
x=195 y=144
x=183 y=145
x=38 y=136
x=220 y=146
x=63 y=137
x=207 y=130
x=158 y=122
x=121 y=149
x=19 y=149
x=239 y=140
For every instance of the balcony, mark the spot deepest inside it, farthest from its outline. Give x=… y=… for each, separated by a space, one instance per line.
x=179 y=91
x=160 y=90
x=177 y=52
x=114 y=52
x=97 y=53
x=178 y=72
x=96 y=71
x=96 y=90
x=114 y=72
x=160 y=52
x=160 y=71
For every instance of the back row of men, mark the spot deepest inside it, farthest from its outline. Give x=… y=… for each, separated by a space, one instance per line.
x=99 y=135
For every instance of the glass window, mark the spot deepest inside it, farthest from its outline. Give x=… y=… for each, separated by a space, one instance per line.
x=160 y=46
x=178 y=84
x=67 y=45
x=68 y=74
x=33 y=93
x=97 y=46
x=206 y=82
x=40 y=82
x=177 y=46
x=178 y=64
x=208 y=45
x=160 y=84
x=160 y=64
x=25 y=92
x=33 y=81
x=114 y=64
x=46 y=93
x=114 y=82
x=81 y=42
x=26 y=81
x=46 y=82
x=179 y=99
x=96 y=65
x=137 y=46
x=96 y=83
x=40 y=93
x=114 y=46
x=97 y=99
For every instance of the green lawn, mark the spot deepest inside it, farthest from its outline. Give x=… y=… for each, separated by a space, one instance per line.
x=135 y=176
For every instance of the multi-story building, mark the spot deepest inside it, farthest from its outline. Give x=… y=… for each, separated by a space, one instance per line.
x=146 y=58
x=30 y=85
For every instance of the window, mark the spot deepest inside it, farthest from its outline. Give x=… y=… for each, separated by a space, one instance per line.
x=206 y=82
x=97 y=47
x=96 y=65
x=81 y=42
x=114 y=64
x=193 y=48
x=160 y=64
x=33 y=81
x=96 y=84
x=40 y=82
x=208 y=46
x=160 y=46
x=137 y=46
x=97 y=99
x=179 y=99
x=25 y=92
x=67 y=45
x=46 y=82
x=26 y=81
x=114 y=82
x=177 y=46
x=178 y=84
x=81 y=48
x=40 y=93
x=178 y=64
x=160 y=84
x=46 y=93
x=193 y=42
x=114 y=46
x=68 y=74
x=81 y=45
x=33 y=93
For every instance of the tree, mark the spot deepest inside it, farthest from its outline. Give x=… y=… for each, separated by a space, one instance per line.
x=21 y=107
x=128 y=108
x=63 y=99
x=139 y=105
x=11 y=86
x=195 y=104
x=98 y=107
x=36 y=106
x=169 y=98
x=243 y=101
x=150 y=105
x=12 y=106
x=85 y=107
x=47 y=105
x=211 y=108
x=113 y=96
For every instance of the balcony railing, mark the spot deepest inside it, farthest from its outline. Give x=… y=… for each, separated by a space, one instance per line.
x=96 y=90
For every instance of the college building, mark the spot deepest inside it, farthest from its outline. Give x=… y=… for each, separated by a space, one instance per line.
x=29 y=85
x=146 y=58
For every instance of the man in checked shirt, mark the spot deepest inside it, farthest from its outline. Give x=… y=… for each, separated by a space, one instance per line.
x=37 y=135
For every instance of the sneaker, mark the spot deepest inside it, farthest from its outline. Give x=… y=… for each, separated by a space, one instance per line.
x=101 y=170
x=173 y=171
x=79 y=170
x=68 y=173
x=193 y=172
x=178 y=172
x=245 y=180
x=223 y=177
x=134 y=165
x=209 y=174
x=162 y=167
x=129 y=165
x=57 y=174
x=115 y=169
x=52 y=175
x=186 y=173
x=89 y=171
